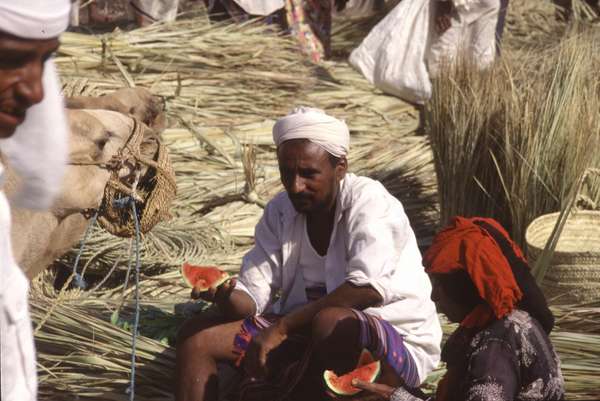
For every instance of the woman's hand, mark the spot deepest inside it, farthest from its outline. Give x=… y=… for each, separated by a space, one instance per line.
x=381 y=390
x=389 y=393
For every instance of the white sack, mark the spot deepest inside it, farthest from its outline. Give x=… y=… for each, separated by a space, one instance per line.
x=393 y=56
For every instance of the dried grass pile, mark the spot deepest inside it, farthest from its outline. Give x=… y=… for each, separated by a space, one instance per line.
x=214 y=73
x=91 y=360
x=511 y=142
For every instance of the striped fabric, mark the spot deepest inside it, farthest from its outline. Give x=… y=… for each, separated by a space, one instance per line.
x=386 y=344
x=310 y=22
x=250 y=327
x=293 y=358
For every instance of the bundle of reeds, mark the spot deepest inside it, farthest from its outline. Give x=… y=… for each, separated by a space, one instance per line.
x=512 y=141
x=91 y=360
x=585 y=10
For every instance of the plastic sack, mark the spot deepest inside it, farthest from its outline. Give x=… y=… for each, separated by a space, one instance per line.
x=393 y=57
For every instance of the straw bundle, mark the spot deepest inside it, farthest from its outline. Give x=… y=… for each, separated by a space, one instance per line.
x=581 y=318
x=584 y=11
x=505 y=141
x=92 y=360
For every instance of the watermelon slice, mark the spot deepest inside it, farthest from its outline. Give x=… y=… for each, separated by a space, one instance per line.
x=365 y=358
x=202 y=278
x=366 y=370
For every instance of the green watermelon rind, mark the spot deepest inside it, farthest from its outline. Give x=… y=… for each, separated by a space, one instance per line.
x=328 y=373
x=224 y=277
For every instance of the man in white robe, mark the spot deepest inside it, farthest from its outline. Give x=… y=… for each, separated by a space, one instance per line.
x=335 y=261
x=465 y=28
x=33 y=140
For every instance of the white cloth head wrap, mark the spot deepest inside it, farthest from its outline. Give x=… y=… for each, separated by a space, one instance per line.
x=34 y=19
x=316 y=126
x=38 y=150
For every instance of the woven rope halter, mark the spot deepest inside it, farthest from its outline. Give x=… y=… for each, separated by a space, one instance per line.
x=153 y=190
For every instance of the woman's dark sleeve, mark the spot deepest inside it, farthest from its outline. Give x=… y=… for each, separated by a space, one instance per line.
x=493 y=373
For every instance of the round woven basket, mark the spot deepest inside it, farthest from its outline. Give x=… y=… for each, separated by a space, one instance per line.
x=156 y=189
x=574 y=272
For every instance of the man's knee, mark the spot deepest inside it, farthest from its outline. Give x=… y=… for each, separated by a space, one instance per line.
x=192 y=340
x=334 y=322
x=195 y=333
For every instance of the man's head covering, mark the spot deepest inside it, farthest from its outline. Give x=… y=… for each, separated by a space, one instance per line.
x=38 y=150
x=34 y=19
x=316 y=126
x=466 y=245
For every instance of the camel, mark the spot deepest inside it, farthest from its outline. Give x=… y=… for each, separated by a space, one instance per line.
x=39 y=238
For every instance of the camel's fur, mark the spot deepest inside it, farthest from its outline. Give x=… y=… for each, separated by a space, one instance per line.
x=138 y=102
x=41 y=237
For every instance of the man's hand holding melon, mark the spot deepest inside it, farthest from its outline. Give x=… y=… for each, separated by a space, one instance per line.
x=214 y=294
x=213 y=285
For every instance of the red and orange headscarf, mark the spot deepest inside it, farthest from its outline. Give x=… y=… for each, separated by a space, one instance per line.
x=465 y=245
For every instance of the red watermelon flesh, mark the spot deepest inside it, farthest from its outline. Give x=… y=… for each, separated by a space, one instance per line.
x=203 y=277
x=367 y=370
x=365 y=358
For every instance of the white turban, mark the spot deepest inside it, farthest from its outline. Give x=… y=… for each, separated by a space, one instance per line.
x=38 y=150
x=34 y=19
x=316 y=126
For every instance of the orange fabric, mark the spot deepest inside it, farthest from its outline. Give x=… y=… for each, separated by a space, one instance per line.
x=466 y=245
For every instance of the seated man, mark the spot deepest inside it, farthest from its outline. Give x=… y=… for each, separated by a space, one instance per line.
x=501 y=350
x=335 y=269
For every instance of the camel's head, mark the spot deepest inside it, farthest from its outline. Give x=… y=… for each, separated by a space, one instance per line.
x=137 y=102
x=96 y=138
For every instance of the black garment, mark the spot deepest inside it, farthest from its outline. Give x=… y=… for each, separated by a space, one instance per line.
x=511 y=359
x=533 y=300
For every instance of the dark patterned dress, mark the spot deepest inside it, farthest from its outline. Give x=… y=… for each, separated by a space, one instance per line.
x=512 y=359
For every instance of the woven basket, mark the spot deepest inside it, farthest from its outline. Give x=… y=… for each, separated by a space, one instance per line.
x=574 y=272
x=156 y=190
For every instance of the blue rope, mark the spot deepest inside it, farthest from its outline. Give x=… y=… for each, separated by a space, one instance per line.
x=80 y=282
x=78 y=278
x=131 y=389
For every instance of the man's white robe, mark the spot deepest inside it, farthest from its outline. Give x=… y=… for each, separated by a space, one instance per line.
x=372 y=244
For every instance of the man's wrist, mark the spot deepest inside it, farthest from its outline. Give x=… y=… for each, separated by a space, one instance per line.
x=223 y=299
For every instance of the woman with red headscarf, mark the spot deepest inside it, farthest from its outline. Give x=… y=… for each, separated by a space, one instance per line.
x=501 y=350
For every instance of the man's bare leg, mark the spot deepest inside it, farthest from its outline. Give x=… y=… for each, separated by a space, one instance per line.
x=335 y=335
x=202 y=343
